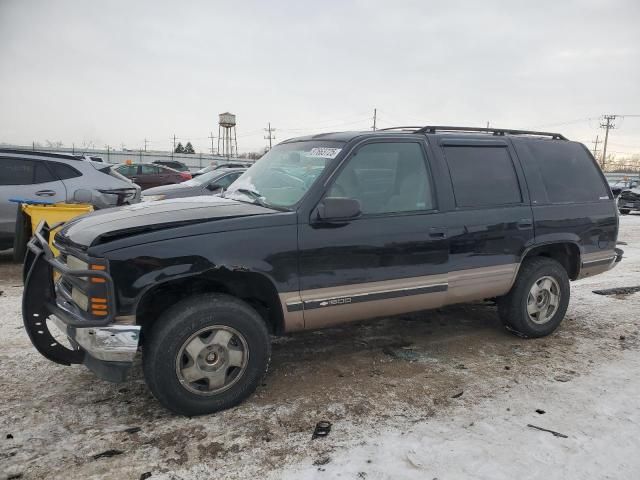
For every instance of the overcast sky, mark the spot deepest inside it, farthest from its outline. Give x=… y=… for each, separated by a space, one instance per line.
x=118 y=72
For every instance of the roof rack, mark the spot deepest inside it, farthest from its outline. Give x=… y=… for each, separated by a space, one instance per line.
x=494 y=131
x=67 y=156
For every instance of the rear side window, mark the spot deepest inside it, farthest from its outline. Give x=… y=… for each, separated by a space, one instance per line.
x=568 y=172
x=151 y=170
x=482 y=176
x=15 y=171
x=128 y=170
x=63 y=171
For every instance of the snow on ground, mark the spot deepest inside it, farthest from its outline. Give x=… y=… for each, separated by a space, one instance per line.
x=444 y=394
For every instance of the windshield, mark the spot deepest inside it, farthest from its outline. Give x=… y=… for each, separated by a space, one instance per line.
x=283 y=175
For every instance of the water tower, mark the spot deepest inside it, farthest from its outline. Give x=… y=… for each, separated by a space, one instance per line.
x=227 y=135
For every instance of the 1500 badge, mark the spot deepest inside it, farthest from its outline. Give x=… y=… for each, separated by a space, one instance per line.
x=335 y=301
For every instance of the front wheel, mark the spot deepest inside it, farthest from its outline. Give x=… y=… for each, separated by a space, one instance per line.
x=538 y=300
x=624 y=211
x=205 y=354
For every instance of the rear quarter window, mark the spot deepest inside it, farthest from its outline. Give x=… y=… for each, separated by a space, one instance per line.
x=567 y=171
x=482 y=176
x=64 y=171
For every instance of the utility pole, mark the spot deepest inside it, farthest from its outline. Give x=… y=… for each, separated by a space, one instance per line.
x=607 y=125
x=270 y=134
x=211 y=137
x=145 y=144
x=595 y=147
x=174 y=146
x=375 y=119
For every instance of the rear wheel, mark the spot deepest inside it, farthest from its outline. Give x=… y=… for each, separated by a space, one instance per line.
x=205 y=354
x=624 y=211
x=538 y=300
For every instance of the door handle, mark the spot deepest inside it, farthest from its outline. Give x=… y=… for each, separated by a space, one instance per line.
x=45 y=193
x=525 y=224
x=436 y=232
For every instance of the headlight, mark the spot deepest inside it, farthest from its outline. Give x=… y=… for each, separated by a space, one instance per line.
x=151 y=198
x=80 y=298
x=76 y=264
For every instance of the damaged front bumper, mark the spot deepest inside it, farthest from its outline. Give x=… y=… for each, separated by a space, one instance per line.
x=106 y=348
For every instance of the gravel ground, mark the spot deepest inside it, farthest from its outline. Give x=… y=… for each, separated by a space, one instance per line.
x=445 y=394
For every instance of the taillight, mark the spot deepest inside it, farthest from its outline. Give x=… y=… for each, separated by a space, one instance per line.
x=185 y=175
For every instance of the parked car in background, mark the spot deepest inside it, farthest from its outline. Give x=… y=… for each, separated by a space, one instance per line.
x=323 y=230
x=210 y=168
x=92 y=158
x=55 y=177
x=176 y=165
x=149 y=175
x=619 y=186
x=210 y=183
x=629 y=200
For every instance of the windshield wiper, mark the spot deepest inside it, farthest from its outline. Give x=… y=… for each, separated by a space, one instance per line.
x=258 y=199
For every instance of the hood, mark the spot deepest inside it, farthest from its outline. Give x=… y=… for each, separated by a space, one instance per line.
x=111 y=224
x=164 y=189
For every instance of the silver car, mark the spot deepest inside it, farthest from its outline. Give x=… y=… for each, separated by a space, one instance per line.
x=209 y=183
x=54 y=177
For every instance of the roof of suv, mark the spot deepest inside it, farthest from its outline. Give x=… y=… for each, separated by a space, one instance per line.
x=35 y=153
x=474 y=131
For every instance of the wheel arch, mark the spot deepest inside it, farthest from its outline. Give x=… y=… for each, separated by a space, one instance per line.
x=566 y=252
x=254 y=288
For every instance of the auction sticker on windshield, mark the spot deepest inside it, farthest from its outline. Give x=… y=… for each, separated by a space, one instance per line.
x=324 y=152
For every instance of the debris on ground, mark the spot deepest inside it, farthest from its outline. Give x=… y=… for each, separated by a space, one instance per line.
x=401 y=353
x=618 y=291
x=321 y=461
x=562 y=378
x=145 y=475
x=132 y=430
x=458 y=395
x=9 y=436
x=323 y=427
x=555 y=434
x=540 y=411
x=107 y=454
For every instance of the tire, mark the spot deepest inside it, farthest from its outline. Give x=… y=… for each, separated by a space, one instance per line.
x=513 y=308
x=624 y=211
x=22 y=236
x=169 y=367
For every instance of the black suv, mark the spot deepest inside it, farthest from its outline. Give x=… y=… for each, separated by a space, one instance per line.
x=322 y=230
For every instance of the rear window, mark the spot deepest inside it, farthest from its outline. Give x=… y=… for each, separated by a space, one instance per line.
x=482 y=176
x=568 y=173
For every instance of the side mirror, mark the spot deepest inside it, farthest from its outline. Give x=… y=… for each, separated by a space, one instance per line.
x=338 y=208
x=213 y=187
x=82 y=196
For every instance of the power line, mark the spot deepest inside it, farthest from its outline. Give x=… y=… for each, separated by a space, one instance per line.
x=270 y=134
x=211 y=137
x=607 y=125
x=595 y=147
